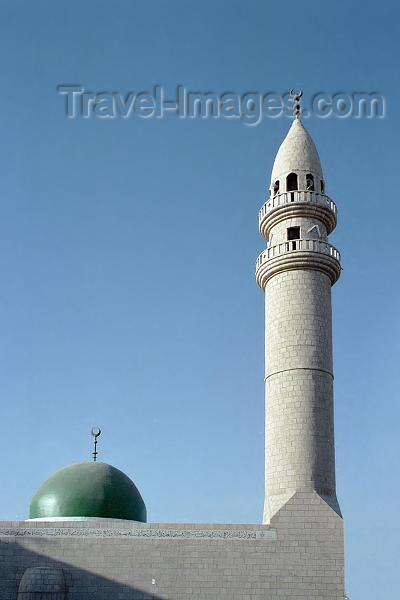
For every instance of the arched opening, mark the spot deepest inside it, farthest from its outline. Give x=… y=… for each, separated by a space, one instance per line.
x=322 y=187
x=42 y=582
x=291 y=182
x=310 y=182
x=276 y=187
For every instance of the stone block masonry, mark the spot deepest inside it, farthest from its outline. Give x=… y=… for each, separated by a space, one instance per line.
x=297 y=557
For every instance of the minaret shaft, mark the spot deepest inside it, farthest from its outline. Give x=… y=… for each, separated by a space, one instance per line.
x=299 y=451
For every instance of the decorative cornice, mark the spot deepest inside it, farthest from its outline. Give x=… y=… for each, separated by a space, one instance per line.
x=298 y=254
x=297 y=204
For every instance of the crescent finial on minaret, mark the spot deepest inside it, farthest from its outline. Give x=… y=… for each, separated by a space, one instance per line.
x=296 y=95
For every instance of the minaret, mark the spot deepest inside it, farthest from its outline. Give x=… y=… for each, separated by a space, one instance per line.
x=296 y=271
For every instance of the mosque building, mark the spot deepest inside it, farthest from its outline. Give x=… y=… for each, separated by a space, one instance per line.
x=87 y=535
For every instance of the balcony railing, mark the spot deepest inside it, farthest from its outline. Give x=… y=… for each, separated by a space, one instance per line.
x=304 y=197
x=303 y=245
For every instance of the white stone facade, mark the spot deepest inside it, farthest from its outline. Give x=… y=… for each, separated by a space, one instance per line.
x=110 y=560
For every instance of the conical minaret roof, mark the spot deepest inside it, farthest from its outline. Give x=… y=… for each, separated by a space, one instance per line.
x=296 y=153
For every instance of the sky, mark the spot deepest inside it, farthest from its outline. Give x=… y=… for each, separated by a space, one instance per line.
x=127 y=250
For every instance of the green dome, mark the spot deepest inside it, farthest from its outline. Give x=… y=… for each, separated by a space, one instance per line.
x=88 y=489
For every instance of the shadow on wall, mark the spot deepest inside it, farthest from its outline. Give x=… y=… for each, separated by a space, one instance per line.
x=25 y=575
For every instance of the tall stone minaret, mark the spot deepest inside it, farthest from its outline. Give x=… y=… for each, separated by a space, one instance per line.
x=296 y=271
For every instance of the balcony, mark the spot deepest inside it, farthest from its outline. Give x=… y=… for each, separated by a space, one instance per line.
x=298 y=254
x=300 y=203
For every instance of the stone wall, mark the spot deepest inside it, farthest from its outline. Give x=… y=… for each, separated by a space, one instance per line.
x=299 y=556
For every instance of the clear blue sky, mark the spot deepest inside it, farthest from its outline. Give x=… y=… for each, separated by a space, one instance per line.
x=127 y=253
